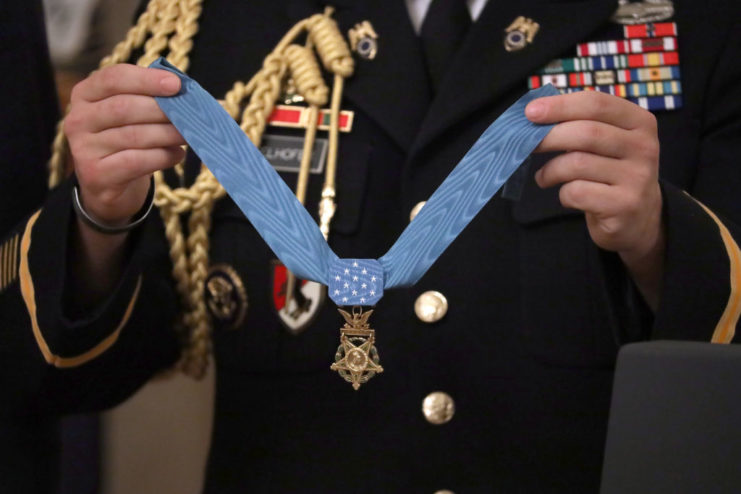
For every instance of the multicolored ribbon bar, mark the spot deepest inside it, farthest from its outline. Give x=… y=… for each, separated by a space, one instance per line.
x=634 y=90
x=294 y=236
x=579 y=64
x=637 y=45
x=650 y=30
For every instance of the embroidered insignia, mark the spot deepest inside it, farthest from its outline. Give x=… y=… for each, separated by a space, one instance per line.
x=364 y=40
x=520 y=33
x=225 y=295
x=297 y=312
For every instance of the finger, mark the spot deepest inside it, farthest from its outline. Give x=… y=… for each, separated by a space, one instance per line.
x=126 y=79
x=142 y=136
x=592 y=137
x=589 y=105
x=130 y=164
x=578 y=165
x=124 y=109
x=591 y=197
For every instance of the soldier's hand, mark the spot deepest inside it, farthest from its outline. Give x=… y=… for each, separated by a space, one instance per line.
x=609 y=169
x=118 y=136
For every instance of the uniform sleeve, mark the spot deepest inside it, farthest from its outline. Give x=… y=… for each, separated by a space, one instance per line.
x=701 y=298
x=52 y=364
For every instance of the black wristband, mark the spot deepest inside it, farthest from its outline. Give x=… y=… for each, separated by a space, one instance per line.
x=137 y=220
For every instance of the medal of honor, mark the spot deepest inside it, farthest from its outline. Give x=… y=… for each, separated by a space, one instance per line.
x=357 y=359
x=290 y=231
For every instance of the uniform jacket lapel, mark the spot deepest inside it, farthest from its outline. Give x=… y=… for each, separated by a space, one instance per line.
x=398 y=69
x=484 y=71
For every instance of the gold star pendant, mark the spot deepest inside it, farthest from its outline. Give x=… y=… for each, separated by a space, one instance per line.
x=356 y=359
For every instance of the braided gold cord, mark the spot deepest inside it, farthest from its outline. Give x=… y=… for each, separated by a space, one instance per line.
x=164 y=27
x=262 y=101
x=330 y=45
x=186 y=26
x=306 y=75
x=168 y=26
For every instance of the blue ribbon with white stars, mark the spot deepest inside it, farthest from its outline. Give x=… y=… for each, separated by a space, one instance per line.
x=294 y=236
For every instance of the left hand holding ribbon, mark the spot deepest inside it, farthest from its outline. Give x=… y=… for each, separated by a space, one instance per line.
x=609 y=170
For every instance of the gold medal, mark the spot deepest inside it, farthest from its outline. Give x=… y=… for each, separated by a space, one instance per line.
x=356 y=359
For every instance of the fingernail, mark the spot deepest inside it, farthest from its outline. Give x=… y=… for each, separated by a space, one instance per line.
x=170 y=83
x=534 y=110
x=538 y=176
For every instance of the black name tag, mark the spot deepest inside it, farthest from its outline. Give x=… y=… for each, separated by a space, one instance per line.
x=285 y=153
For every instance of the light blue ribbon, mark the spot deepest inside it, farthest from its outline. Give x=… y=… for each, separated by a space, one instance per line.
x=294 y=236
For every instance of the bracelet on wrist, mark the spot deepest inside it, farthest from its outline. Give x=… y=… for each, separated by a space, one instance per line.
x=96 y=225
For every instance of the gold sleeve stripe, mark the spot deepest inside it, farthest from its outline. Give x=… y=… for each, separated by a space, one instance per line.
x=726 y=328
x=29 y=298
x=8 y=262
x=3 y=276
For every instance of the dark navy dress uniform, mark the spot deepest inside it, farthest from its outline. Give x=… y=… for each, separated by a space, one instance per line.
x=536 y=312
x=29 y=443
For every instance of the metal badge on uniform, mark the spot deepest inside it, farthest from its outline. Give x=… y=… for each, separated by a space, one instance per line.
x=357 y=359
x=364 y=40
x=297 y=311
x=642 y=67
x=520 y=33
x=642 y=12
x=225 y=296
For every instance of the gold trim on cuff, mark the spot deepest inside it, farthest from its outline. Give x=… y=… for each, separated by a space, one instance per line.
x=726 y=327
x=29 y=298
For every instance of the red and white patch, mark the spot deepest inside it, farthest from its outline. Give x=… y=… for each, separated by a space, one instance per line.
x=304 y=304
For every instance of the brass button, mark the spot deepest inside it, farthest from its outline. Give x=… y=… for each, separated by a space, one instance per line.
x=415 y=210
x=431 y=306
x=438 y=408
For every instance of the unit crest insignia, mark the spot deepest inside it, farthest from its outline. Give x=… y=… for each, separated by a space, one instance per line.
x=520 y=33
x=364 y=40
x=297 y=311
x=225 y=295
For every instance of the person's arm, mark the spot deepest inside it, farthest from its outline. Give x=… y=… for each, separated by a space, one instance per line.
x=118 y=137
x=89 y=316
